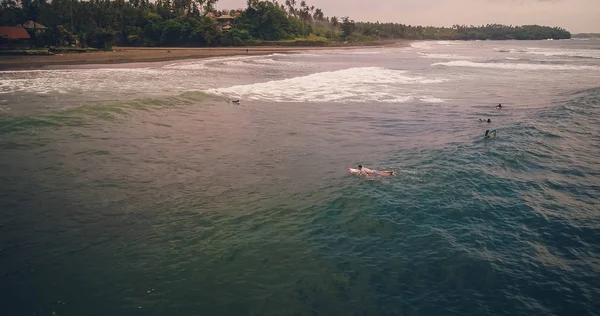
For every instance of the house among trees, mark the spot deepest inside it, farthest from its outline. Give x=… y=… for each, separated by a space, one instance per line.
x=225 y=18
x=13 y=37
x=30 y=25
x=35 y=30
x=226 y=22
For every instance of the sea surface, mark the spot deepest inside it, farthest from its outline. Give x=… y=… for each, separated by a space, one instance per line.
x=137 y=189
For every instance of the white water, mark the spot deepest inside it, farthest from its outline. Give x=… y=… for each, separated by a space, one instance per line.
x=361 y=84
x=444 y=56
x=387 y=75
x=81 y=80
x=465 y=63
x=581 y=53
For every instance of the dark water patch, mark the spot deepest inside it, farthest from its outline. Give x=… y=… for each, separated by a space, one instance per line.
x=10 y=145
x=85 y=115
x=583 y=101
x=584 y=92
x=161 y=124
x=171 y=207
x=94 y=152
x=15 y=124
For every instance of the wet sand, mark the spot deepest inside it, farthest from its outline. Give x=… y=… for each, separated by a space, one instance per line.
x=122 y=55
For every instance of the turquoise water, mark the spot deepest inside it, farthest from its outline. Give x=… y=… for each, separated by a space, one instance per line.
x=139 y=190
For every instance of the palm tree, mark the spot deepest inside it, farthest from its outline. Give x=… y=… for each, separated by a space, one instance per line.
x=334 y=21
x=318 y=15
x=291 y=4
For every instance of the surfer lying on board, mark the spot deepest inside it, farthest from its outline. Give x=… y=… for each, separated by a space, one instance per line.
x=370 y=172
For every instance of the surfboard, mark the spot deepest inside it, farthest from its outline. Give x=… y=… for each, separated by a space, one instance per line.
x=354 y=171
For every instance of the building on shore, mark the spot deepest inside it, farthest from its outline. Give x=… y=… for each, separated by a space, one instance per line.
x=13 y=37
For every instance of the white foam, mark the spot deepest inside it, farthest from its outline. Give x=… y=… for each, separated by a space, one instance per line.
x=355 y=52
x=270 y=61
x=368 y=84
x=212 y=63
x=115 y=80
x=511 y=50
x=421 y=45
x=430 y=99
x=240 y=65
x=448 y=43
x=443 y=56
x=279 y=64
x=581 y=53
x=515 y=66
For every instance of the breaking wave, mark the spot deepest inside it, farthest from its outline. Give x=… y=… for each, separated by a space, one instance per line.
x=513 y=66
x=365 y=84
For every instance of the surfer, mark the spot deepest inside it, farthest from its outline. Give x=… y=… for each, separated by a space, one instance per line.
x=499 y=106
x=367 y=171
x=490 y=134
x=483 y=120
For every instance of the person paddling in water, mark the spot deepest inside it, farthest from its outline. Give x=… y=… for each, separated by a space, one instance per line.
x=367 y=171
x=499 y=106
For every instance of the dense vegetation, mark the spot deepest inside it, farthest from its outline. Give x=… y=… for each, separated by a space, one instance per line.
x=462 y=32
x=103 y=23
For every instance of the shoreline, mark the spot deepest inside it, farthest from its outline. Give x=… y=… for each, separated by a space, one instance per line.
x=128 y=55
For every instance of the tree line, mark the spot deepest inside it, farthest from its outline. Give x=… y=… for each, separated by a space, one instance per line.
x=462 y=32
x=103 y=23
x=587 y=35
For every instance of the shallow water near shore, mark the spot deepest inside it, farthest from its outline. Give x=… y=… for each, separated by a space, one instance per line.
x=129 y=191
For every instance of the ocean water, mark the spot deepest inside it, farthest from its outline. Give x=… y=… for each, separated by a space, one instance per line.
x=138 y=190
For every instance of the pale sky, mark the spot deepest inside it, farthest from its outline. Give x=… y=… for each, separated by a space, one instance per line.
x=574 y=15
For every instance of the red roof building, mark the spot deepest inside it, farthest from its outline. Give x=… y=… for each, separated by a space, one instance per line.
x=13 y=33
x=12 y=37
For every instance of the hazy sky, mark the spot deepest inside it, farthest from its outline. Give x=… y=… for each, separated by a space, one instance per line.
x=574 y=15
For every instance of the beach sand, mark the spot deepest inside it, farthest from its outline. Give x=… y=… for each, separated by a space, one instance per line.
x=122 y=55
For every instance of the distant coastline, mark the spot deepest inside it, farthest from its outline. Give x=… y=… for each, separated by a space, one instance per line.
x=43 y=28
x=586 y=35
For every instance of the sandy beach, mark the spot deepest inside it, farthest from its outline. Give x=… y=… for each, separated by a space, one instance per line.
x=121 y=55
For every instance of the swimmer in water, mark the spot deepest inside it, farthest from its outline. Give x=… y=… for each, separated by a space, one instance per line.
x=489 y=134
x=483 y=120
x=499 y=107
x=367 y=171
